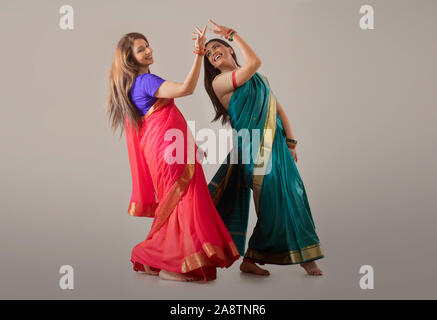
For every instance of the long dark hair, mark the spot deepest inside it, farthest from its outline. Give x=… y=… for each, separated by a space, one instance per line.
x=122 y=74
x=210 y=73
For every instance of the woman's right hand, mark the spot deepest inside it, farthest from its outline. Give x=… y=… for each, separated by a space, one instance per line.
x=199 y=45
x=220 y=30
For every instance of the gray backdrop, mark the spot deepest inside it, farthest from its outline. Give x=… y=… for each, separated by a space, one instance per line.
x=361 y=103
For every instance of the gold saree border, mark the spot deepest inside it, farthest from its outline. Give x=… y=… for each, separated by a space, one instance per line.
x=173 y=196
x=202 y=258
x=160 y=103
x=214 y=184
x=265 y=149
x=177 y=190
x=308 y=253
x=218 y=192
x=138 y=209
x=266 y=146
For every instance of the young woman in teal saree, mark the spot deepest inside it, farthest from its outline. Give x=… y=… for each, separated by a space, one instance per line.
x=285 y=232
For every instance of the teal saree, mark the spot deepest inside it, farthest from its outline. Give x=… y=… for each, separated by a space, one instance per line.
x=285 y=231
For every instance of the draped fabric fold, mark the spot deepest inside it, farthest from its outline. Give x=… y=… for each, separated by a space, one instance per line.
x=231 y=195
x=143 y=201
x=187 y=234
x=261 y=161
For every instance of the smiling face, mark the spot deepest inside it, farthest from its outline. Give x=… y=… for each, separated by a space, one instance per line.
x=220 y=56
x=142 y=53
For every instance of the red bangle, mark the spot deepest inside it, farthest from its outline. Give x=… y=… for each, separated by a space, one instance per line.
x=200 y=53
x=234 y=81
x=226 y=35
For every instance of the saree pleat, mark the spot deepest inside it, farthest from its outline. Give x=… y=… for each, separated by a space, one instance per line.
x=187 y=234
x=285 y=232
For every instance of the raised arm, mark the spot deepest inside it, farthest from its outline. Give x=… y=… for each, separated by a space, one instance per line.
x=171 y=89
x=252 y=61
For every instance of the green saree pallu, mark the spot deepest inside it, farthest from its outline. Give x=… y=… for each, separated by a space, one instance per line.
x=261 y=161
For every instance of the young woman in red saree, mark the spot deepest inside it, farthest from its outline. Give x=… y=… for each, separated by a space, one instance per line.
x=188 y=239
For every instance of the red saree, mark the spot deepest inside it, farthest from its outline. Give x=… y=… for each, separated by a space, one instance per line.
x=187 y=235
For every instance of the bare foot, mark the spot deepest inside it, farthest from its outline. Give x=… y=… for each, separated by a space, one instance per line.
x=146 y=269
x=250 y=267
x=151 y=271
x=311 y=268
x=174 y=276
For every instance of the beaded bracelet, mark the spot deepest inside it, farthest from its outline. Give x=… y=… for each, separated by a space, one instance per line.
x=291 y=140
x=291 y=145
x=230 y=37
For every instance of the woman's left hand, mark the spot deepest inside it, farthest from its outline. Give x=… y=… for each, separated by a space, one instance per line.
x=218 y=29
x=293 y=153
x=199 y=45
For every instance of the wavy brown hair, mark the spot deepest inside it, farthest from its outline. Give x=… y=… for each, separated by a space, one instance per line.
x=122 y=74
x=210 y=73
